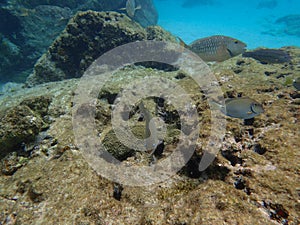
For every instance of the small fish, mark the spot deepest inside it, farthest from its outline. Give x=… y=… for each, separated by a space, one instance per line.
x=296 y=83
x=131 y=8
x=243 y=108
x=216 y=48
x=266 y=56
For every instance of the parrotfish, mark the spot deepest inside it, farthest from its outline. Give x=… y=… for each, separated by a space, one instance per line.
x=269 y=55
x=243 y=108
x=216 y=48
x=296 y=83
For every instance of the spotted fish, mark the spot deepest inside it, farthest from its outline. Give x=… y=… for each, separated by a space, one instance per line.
x=216 y=48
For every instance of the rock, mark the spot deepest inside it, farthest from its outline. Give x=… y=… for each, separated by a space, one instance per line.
x=213 y=196
x=115 y=147
x=229 y=155
x=87 y=36
x=10 y=87
x=11 y=163
x=31 y=26
x=157 y=33
x=80 y=44
x=259 y=149
x=38 y=104
x=18 y=125
x=239 y=183
x=40 y=28
x=276 y=211
x=30 y=32
x=10 y=55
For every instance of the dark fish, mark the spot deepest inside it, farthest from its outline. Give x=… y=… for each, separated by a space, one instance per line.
x=243 y=108
x=266 y=56
x=289 y=19
x=289 y=24
x=296 y=83
x=216 y=48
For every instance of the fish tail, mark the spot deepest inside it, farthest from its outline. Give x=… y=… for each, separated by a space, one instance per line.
x=182 y=43
x=214 y=105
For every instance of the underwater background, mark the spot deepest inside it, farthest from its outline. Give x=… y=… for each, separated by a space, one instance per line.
x=46 y=176
x=259 y=23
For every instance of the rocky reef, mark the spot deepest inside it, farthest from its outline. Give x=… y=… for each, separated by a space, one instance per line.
x=87 y=36
x=253 y=180
x=27 y=28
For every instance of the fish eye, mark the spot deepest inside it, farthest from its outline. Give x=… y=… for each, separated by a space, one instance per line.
x=236 y=41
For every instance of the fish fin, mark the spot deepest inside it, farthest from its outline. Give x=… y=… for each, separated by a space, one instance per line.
x=138 y=7
x=182 y=43
x=122 y=9
x=215 y=105
x=230 y=53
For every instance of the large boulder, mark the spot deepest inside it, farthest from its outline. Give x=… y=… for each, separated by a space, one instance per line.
x=26 y=35
x=87 y=36
x=31 y=26
x=19 y=125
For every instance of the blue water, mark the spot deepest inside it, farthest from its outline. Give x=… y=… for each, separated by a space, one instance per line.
x=242 y=19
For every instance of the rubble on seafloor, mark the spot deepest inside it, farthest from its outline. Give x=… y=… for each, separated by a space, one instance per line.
x=253 y=180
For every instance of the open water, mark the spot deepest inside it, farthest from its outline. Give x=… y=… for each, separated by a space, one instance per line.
x=258 y=23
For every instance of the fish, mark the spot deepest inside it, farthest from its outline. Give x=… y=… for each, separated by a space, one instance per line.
x=150 y=131
x=269 y=56
x=131 y=8
x=296 y=83
x=242 y=108
x=216 y=48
